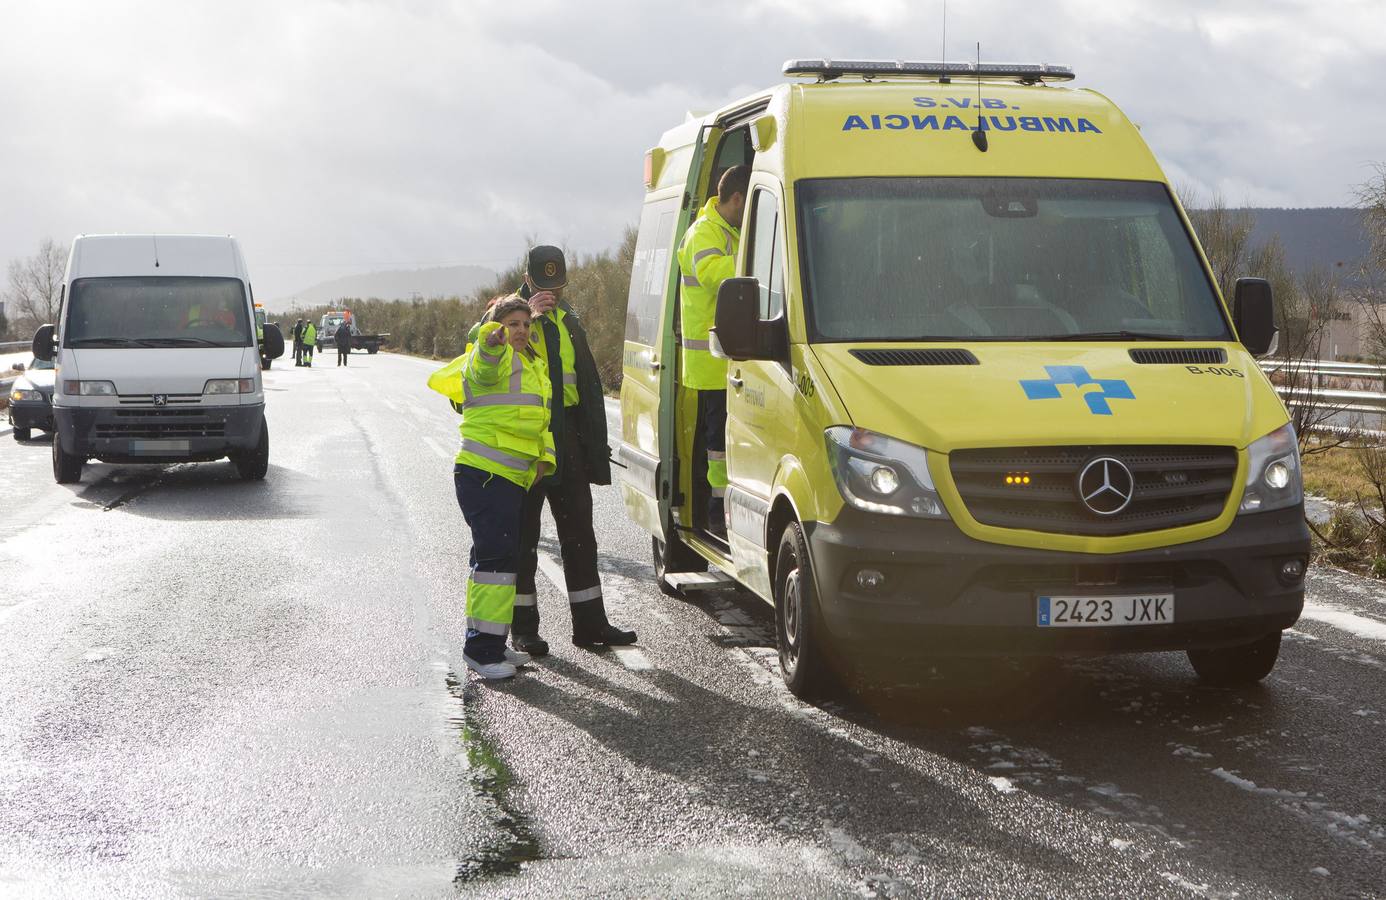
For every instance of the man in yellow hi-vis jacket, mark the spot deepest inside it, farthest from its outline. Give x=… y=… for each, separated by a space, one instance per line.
x=502 y=389
x=707 y=257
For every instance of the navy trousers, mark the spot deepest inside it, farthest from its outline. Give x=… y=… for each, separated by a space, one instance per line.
x=491 y=505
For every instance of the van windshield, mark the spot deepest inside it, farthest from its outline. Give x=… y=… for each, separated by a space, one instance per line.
x=161 y=311
x=997 y=259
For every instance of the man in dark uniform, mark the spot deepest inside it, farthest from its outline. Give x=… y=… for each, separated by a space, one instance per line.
x=298 y=342
x=584 y=459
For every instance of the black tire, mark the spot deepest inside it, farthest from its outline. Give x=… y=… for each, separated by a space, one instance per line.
x=266 y=362
x=679 y=559
x=67 y=469
x=372 y=350
x=1243 y=664
x=252 y=465
x=799 y=630
x=22 y=434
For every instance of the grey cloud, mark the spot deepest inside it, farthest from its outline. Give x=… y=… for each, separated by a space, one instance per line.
x=341 y=136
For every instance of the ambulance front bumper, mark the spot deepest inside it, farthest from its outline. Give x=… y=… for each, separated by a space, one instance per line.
x=943 y=592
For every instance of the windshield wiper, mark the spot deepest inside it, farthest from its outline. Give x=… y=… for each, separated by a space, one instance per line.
x=1112 y=336
x=178 y=342
x=100 y=342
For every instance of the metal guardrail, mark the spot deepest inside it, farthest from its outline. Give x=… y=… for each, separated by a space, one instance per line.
x=15 y=345
x=1325 y=367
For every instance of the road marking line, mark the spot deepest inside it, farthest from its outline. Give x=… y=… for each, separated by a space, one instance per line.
x=438 y=448
x=552 y=571
x=633 y=658
x=1361 y=626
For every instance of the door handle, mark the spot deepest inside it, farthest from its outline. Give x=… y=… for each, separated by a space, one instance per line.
x=655 y=364
x=737 y=382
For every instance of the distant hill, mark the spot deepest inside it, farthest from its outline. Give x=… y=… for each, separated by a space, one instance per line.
x=1330 y=238
x=442 y=281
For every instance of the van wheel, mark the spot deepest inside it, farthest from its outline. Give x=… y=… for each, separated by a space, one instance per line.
x=252 y=465
x=22 y=434
x=1243 y=664
x=67 y=469
x=680 y=559
x=798 y=626
x=372 y=350
x=266 y=362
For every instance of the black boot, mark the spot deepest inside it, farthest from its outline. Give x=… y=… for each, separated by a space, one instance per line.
x=591 y=629
x=524 y=632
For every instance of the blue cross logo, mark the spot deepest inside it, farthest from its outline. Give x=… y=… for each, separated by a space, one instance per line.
x=1048 y=388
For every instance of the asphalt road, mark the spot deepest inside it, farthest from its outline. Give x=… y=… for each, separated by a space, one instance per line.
x=216 y=688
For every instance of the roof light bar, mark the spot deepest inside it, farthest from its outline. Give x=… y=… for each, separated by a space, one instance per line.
x=829 y=69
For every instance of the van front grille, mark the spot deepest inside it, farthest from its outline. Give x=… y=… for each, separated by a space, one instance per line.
x=1169 y=487
x=172 y=424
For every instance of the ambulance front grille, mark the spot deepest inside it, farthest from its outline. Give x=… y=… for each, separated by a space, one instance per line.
x=1173 y=486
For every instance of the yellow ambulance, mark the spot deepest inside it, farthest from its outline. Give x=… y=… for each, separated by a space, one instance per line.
x=984 y=396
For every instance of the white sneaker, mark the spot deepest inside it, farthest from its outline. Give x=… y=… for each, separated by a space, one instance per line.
x=517 y=658
x=490 y=671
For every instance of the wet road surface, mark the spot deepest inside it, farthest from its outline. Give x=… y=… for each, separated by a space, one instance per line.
x=216 y=688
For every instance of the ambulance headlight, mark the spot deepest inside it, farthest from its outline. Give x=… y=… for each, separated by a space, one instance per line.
x=1273 y=479
x=881 y=474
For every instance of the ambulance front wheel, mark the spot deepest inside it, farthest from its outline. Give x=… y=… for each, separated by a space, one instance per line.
x=1232 y=666
x=799 y=629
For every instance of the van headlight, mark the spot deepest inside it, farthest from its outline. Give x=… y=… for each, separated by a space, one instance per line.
x=229 y=386
x=1273 y=479
x=881 y=474
x=89 y=388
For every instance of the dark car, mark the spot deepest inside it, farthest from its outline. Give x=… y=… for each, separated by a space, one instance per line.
x=31 y=400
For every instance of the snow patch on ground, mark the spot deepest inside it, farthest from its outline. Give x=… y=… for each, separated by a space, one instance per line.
x=1356 y=830
x=1189 y=752
x=1362 y=626
x=1002 y=785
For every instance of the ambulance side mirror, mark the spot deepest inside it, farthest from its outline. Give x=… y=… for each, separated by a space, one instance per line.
x=1253 y=312
x=740 y=333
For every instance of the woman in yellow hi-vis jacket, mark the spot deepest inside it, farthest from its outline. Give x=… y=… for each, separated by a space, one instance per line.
x=502 y=388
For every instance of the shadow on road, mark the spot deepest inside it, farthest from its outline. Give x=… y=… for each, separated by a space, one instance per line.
x=199 y=492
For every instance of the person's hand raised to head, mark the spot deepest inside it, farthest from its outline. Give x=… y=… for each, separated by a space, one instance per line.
x=543 y=302
x=497 y=337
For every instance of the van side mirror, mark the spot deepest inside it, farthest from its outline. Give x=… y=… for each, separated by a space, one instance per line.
x=1253 y=313
x=45 y=346
x=273 y=341
x=740 y=333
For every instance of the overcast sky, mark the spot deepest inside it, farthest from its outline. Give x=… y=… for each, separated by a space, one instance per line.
x=339 y=136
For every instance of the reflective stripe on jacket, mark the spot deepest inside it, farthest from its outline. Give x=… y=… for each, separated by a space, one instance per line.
x=707 y=257
x=504 y=400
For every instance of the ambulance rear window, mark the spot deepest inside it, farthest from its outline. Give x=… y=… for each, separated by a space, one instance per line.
x=993 y=259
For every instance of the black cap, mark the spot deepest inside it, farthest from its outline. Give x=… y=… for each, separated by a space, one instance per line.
x=546 y=267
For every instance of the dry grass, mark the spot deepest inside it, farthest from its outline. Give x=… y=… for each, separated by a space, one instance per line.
x=1337 y=474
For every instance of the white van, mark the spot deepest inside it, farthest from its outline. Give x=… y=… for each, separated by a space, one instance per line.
x=157 y=355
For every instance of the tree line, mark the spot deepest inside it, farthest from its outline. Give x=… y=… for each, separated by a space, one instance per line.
x=597 y=287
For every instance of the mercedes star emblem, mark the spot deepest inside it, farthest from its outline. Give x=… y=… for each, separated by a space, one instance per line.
x=1106 y=486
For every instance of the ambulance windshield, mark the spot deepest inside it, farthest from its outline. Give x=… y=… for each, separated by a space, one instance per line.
x=994 y=259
